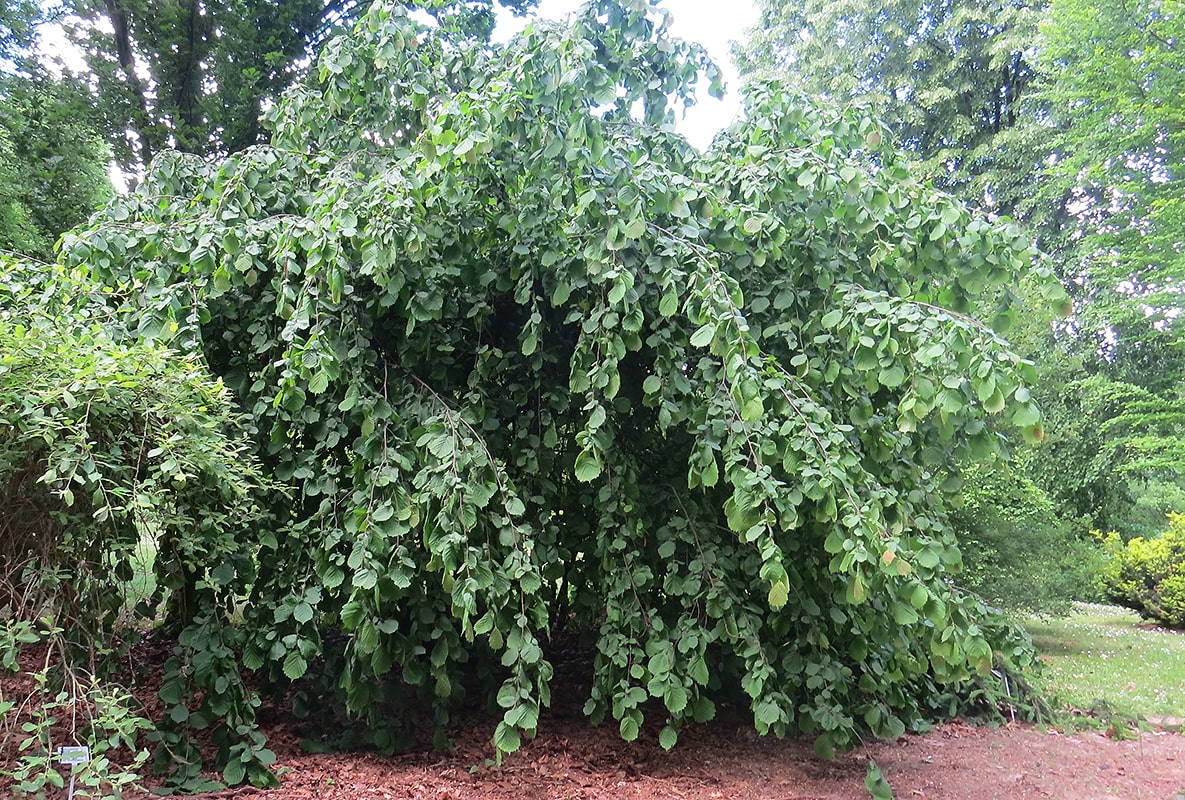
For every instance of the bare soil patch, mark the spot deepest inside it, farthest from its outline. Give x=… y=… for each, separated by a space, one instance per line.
x=574 y=760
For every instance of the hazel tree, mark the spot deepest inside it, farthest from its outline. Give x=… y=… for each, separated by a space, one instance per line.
x=528 y=362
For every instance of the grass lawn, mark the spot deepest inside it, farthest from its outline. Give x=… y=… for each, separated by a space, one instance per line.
x=1105 y=653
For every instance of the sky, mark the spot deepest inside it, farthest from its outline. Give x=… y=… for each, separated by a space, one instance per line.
x=712 y=23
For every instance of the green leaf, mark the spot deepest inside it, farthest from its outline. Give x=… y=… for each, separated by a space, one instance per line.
x=866 y=359
x=767 y=713
x=668 y=737
x=825 y=747
x=506 y=738
x=779 y=593
x=669 y=305
x=752 y=225
x=1026 y=416
x=295 y=666
x=710 y=473
x=753 y=408
x=234 y=772
x=587 y=467
x=875 y=783
x=530 y=343
x=831 y=318
x=303 y=612
x=892 y=377
x=319 y=382
x=635 y=228
x=675 y=698
x=704 y=336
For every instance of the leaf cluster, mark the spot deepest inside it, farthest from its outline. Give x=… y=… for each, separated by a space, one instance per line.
x=110 y=447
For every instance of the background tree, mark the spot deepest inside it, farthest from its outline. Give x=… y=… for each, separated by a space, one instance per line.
x=1059 y=115
x=18 y=24
x=55 y=173
x=528 y=362
x=1115 y=128
x=197 y=76
x=53 y=161
x=1117 y=76
x=952 y=80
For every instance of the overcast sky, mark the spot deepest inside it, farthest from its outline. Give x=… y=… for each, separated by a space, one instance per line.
x=712 y=23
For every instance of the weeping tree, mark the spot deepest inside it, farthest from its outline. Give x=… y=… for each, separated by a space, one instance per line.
x=528 y=362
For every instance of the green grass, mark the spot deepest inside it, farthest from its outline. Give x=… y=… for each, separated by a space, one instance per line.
x=1104 y=654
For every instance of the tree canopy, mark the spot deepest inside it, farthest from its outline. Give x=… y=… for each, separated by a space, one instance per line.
x=198 y=76
x=1114 y=99
x=523 y=361
x=53 y=161
x=1059 y=114
x=951 y=79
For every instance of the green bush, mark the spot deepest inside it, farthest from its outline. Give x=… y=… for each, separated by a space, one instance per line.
x=1148 y=575
x=1017 y=553
x=106 y=443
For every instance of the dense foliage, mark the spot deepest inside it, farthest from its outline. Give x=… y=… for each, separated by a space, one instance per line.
x=953 y=80
x=527 y=362
x=1018 y=553
x=103 y=443
x=197 y=76
x=53 y=161
x=1117 y=75
x=1059 y=114
x=1148 y=575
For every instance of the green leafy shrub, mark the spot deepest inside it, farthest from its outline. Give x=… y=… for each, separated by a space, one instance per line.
x=106 y=441
x=1148 y=575
x=1017 y=553
x=526 y=361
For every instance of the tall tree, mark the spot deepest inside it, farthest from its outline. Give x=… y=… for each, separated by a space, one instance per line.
x=525 y=360
x=951 y=79
x=196 y=76
x=18 y=26
x=1116 y=128
x=55 y=173
x=1063 y=116
x=53 y=161
x=1118 y=125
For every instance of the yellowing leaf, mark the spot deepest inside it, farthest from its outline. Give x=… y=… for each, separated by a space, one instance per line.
x=779 y=593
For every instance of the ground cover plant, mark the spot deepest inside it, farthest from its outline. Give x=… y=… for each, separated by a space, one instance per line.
x=1103 y=658
x=523 y=363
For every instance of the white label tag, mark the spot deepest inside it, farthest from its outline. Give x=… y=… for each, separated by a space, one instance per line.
x=74 y=755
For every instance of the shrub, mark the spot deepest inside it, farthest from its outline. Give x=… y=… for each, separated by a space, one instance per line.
x=1148 y=575
x=526 y=362
x=107 y=444
x=1017 y=553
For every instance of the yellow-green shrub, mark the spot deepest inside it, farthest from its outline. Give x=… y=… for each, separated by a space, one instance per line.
x=1148 y=575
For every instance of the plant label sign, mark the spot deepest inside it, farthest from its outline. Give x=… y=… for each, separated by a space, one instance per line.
x=74 y=755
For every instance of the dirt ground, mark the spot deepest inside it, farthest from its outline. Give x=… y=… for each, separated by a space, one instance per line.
x=727 y=760
x=574 y=760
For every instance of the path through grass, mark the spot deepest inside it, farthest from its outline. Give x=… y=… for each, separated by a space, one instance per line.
x=1104 y=653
